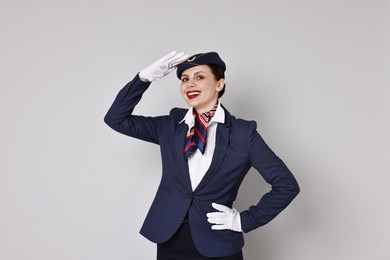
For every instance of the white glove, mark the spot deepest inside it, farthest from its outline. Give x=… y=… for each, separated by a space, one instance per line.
x=226 y=218
x=163 y=66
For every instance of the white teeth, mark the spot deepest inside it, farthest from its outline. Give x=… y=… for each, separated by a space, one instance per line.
x=193 y=93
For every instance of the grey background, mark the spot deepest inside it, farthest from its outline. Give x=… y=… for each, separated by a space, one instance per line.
x=313 y=74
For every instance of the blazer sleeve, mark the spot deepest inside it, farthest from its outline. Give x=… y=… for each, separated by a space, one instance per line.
x=284 y=186
x=120 y=115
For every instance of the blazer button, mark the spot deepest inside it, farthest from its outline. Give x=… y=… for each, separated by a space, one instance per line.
x=191 y=195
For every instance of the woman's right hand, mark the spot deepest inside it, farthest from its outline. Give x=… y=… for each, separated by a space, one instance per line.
x=162 y=67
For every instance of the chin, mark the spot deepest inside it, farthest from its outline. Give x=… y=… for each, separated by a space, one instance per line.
x=191 y=103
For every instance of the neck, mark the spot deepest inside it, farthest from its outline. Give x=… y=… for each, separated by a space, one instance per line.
x=205 y=110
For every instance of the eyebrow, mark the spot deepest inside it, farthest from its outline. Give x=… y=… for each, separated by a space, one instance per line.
x=195 y=73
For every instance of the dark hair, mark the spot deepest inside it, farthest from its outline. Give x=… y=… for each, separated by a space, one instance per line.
x=219 y=73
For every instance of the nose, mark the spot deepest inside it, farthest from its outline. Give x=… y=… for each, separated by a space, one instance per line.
x=190 y=84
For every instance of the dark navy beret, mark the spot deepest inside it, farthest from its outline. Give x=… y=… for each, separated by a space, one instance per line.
x=208 y=58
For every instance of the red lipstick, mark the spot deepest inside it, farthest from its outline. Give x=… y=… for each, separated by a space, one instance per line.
x=193 y=94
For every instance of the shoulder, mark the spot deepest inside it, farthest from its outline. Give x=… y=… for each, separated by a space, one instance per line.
x=177 y=114
x=243 y=126
x=239 y=123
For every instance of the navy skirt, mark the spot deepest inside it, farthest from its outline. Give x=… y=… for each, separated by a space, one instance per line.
x=181 y=247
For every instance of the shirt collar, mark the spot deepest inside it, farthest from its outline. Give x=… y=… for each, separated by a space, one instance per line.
x=219 y=116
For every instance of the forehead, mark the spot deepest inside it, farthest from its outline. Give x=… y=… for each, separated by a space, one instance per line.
x=196 y=69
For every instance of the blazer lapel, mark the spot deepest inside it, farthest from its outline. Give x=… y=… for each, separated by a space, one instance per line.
x=221 y=145
x=182 y=164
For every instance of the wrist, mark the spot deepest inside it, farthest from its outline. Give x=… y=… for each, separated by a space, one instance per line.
x=143 y=78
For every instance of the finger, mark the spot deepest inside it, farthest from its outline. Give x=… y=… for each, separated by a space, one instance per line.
x=177 y=59
x=167 y=57
x=215 y=215
x=216 y=221
x=181 y=56
x=220 y=207
x=219 y=227
x=174 y=57
x=169 y=70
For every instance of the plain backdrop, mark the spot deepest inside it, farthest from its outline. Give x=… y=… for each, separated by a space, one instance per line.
x=313 y=74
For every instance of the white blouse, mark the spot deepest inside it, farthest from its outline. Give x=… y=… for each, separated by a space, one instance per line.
x=199 y=163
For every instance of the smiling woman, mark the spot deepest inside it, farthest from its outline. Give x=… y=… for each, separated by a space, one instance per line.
x=199 y=88
x=206 y=153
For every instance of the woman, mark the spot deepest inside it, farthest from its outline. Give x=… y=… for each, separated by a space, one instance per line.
x=206 y=153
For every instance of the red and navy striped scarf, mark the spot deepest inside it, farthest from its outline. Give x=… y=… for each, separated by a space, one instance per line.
x=198 y=133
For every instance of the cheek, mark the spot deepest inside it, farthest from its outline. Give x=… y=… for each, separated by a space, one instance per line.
x=182 y=89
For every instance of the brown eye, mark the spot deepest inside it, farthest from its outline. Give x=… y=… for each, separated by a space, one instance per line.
x=184 y=79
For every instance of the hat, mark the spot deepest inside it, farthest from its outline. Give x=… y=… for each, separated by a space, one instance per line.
x=208 y=58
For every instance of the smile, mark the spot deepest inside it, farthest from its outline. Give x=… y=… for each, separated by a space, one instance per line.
x=193 y=94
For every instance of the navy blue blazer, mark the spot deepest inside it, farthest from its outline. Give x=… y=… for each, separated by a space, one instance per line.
x=238 y=148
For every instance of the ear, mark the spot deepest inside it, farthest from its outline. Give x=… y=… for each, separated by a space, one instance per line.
x=221 y=85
